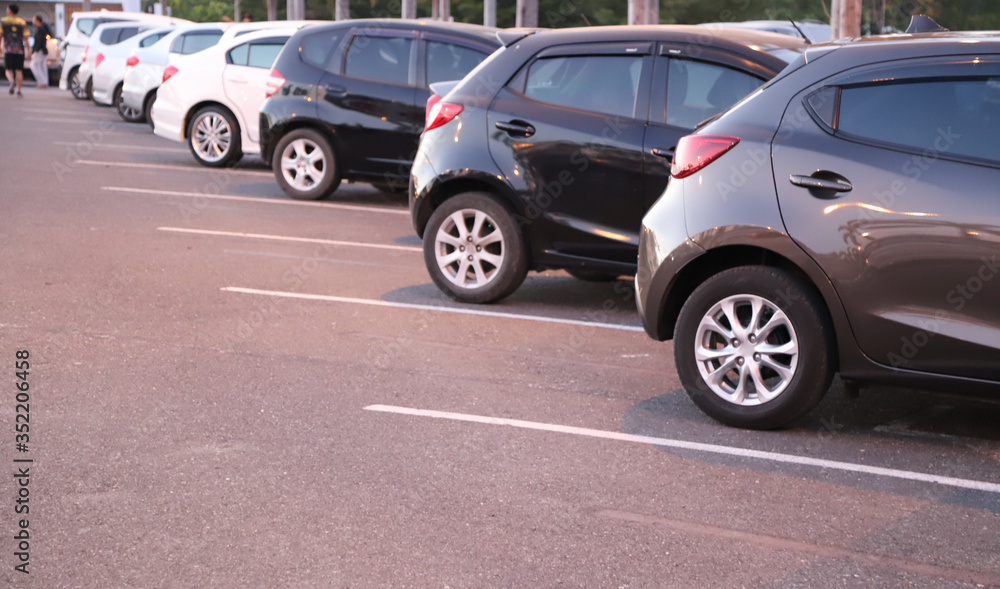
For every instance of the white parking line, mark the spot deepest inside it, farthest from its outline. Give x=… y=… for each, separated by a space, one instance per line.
x=699 y=447
x=172 y=167
x=120 y=147
x=378 y=303
x=273 y=201
x=381 y=246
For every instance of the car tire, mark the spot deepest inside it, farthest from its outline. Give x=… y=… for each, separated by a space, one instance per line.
x=738 y=377
x=147 y=108
x=127 y=114
x=88 y=91
x=591 y=275
x=73 y=80
x=305 y=166
x=213 y=136
x=500 y=261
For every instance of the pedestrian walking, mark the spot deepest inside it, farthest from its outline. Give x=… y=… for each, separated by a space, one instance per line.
x=40 y=52
x=15 y=48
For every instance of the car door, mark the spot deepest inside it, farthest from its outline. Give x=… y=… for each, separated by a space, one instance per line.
x=567 y=131
x=687 y=89
x=244 y=79
x=887 y=177
x=370 y=105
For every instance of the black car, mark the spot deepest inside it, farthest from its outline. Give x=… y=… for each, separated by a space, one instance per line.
x=549 y=154
x=845 y=219
x=348 y=99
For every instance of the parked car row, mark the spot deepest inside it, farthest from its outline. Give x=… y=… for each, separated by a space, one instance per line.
x=789 y=210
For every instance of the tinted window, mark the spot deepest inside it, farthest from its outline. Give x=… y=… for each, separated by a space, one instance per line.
x=109 y=36
x=189 y=43
x=151 y=39
x=238 y=55
x=450 y=62
x=386 y=59
x=262 y=55
x=127 y=33
x=318 y=49
x=86 y=26
x=600 y=83
x=698 y=90
x=960 y=117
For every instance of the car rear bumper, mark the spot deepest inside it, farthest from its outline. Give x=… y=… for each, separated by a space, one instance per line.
x=168 y=120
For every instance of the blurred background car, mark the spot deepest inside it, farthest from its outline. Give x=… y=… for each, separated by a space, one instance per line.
x=212 y=101
x=78 y=35
x=348 y=99
x=548 y=155
x=813 y=31
x=104 y=37
x=842 y=219
x=110 y=64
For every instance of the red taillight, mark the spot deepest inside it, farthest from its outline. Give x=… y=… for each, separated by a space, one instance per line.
x=98 y=59
x=168 y=73
x=694 y=152
x=132 y=61
x=85 y=50
x=434 y=99
x=274 y=83
x=441 y=113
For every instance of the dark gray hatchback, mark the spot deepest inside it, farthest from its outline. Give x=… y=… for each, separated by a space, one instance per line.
x=843 y=218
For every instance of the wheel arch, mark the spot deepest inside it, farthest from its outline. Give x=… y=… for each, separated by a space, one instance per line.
x=445 y=188
x=296 y=124
x=727 y=257
x=200 y=105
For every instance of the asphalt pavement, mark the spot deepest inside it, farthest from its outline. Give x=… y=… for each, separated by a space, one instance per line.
x=228 y=388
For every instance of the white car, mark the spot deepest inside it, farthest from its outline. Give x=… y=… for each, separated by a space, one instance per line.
x=108 y=70
x=78 y=36
x=104 y=41
x=212 y=101
x=145 y=74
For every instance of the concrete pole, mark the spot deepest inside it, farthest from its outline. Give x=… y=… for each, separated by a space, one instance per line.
x=296 y=10
x=527 y=13
x=237 y=17
x=652 y=12
x=850 y=24
x=835 y=19
x=445 y=12
x=86 y=6
x=272 y=9
x=409 y=8
x=490 y=13
x=343 y=10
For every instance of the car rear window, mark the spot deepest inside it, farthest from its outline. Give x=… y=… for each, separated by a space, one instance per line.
x=318 y=49
x=606 y=84
x=952 y=116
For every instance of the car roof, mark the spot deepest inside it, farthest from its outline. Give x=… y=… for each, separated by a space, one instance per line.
x=226 y=44
x=903 y=45
x=696 y=34
x=128 y=16
x=467 y=30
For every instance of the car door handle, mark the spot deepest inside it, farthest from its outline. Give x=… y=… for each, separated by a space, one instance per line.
x=822 y=181
x=517 y=128
x=336 y=90
x=667 y=154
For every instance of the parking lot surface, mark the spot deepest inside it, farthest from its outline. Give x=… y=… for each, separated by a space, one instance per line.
x=229 y=388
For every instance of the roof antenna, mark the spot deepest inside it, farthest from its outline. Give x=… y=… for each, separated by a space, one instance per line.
x=806 y=39
x=920 y=23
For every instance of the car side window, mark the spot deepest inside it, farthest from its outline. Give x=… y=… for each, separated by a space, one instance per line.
x=151 y=39
x=189 y=43
x=109 y=36
x=262 y=55
x=608 y=84
x=318 y=49
x=126 y=33
x=943 y=116
x=238 y=55
x=447 y=61
x=386 y=59
x=697 y=90
x=86 y=26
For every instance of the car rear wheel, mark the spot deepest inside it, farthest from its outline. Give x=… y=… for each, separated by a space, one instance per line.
x=147 y=108
x=214 y=137
x=473 y=249
x=88 y=90
x=754 y=348
x=305 y=166
x=73 y=79
x=127 y=113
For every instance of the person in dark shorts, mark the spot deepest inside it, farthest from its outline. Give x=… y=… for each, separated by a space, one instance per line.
x=15 y=47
